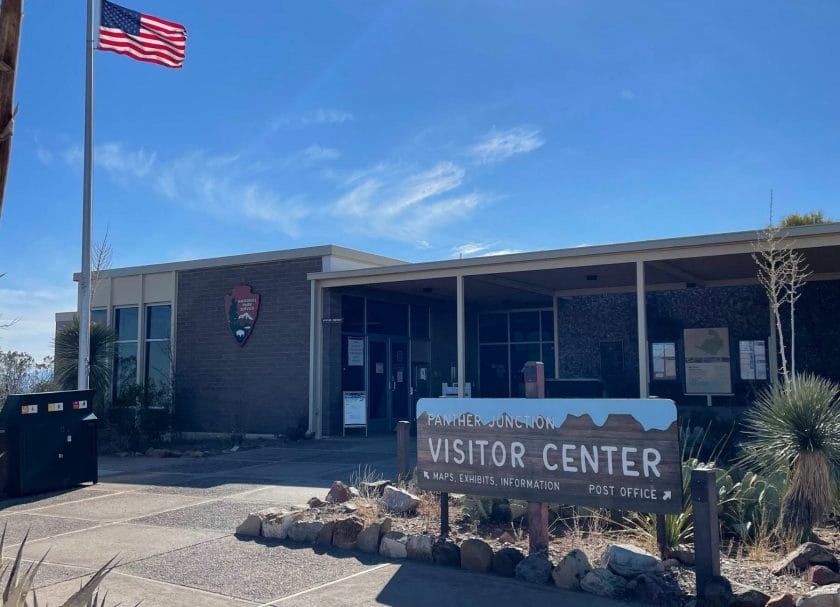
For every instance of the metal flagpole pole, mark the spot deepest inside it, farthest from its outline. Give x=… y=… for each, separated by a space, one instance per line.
x=87 y=203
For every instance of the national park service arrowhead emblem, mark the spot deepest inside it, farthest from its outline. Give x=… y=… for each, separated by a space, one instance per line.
x=243 y=307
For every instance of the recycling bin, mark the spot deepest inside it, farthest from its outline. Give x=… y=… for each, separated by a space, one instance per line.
x=50 y=441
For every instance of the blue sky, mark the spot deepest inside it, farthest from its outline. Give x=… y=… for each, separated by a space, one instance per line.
x=418 y=130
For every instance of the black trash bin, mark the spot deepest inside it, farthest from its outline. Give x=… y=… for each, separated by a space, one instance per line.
x=50 y=441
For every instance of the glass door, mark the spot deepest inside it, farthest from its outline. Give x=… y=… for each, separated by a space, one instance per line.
x=378 y=385
x=400 y=381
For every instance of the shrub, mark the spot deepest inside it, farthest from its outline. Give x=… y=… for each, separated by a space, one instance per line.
x=795 y=429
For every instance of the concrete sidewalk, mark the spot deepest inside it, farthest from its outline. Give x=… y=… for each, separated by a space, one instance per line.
x=171 y=523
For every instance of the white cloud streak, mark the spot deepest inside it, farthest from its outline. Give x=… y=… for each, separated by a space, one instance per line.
x=35 y=311
x=496 y=146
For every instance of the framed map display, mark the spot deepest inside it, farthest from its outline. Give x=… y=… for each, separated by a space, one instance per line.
x=708 y=364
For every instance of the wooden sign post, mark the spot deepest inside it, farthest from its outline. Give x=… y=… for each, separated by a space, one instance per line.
x=706 y=527
x=538 y=538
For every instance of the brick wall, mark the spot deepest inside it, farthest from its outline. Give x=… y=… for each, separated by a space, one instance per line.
x=262 y=386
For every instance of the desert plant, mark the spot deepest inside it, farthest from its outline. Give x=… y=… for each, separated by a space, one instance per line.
x=101 y=356
x=19 y=583
x=795 y=429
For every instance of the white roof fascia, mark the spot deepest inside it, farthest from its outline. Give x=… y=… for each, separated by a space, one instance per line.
x=663 y=249
x=249 y=258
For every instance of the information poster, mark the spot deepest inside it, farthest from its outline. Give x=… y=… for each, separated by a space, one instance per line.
x=708 y=366
x=355 y=351
x=753 y=359
x=355 y=409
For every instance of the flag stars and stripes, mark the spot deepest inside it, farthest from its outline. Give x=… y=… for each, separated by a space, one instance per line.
x=141 y=37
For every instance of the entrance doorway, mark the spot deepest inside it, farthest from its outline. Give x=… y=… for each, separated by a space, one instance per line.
x=388 y=382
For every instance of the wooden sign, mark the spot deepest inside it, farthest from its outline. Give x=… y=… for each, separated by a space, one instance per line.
x=617 y=454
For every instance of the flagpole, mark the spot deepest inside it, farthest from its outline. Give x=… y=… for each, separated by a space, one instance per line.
x=87 y=203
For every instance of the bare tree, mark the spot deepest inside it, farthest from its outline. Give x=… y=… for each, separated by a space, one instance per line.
x=782 y=271
x=770 y=253
x=5 y=324
x=11 y=14
x=103 y=253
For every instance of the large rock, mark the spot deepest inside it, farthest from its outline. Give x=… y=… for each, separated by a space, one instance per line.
x=683 y=554
x=368 y=539
x=782 y=600
x=393 y=544
x=805 y=555
x=419 y=548
x=399 y=500
x=374 y=488
x=824 y=596
x=718 y=592
x=604 y=582
x=629 y=561
x=535 y=568
x=314 y=502
x=338 y=493
x=305 y=531
x=345 y=533
x=250 y=527
x=820 y=575
x=506 y=560
x=447 y=553
x=649 y=589
x=570 y=570
x=747 y=596
x=476 y=555
x=324 y=538
x=277 y=526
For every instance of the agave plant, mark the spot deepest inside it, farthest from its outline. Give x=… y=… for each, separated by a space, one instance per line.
x=19 y=583
x=795 y=429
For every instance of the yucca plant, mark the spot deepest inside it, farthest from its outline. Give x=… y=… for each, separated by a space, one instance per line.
x=101 y=356
x=19 y=583
x=795 y=428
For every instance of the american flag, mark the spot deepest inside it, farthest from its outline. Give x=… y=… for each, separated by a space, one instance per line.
x=141 y=37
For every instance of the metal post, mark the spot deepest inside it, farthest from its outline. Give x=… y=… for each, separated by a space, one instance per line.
x=706 y=528
x=403 y=428
x=462 y=357
x=87 y=204
x=661 y=540
x=641 y=323
x=444 y=514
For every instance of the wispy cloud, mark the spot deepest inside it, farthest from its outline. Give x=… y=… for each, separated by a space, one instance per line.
x=115 y=158
x=627 y=94
x=310 y=156
x=317 y=116
x=35 y=313
x=405 y=203
x=496 y=145
x=480 y=249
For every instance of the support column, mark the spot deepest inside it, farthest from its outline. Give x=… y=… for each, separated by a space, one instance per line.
x=315 y=362
x=556 y=311
x=641 y=324
x=462 y=356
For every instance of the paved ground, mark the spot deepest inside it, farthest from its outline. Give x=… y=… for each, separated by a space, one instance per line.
x=171 y=522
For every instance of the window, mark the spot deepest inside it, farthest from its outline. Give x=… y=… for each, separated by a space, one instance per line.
x=158 y=372
x=419 y=321
x=99 y=316
x=353 y=314
x=664 y=360
x=387 y=318
x=507 y=340
x=125 y=352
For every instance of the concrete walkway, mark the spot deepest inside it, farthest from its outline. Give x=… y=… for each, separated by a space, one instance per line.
x=171 y=523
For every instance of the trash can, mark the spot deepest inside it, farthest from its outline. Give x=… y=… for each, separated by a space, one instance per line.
x=50 y=440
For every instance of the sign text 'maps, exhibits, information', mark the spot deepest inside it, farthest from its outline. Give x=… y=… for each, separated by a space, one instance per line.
x=618 y=454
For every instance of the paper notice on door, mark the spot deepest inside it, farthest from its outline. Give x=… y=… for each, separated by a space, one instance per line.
x=380 y=367
x=355 y=352
x=399 y=377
